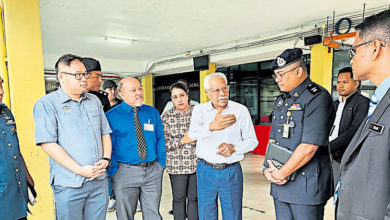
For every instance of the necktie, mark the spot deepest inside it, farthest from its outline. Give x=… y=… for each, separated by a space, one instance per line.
x=140 y=136
x=373 y=103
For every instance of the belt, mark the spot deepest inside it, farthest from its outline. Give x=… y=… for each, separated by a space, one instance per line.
x=145 y=164
x=218 y=166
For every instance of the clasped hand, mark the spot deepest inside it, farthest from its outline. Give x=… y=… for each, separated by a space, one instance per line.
x=95 y=171
x=225 y=150
x=271 y=174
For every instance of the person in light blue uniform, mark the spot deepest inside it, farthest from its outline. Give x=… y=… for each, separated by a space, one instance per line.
x=302 y=119
x=13 y=171
x=72 y=129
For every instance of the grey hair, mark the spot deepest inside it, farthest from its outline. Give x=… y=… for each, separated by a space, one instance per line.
x=120 y=85
x=206 y=81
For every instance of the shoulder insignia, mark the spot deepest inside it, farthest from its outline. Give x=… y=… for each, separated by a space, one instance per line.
x=314 y=89
x=103 y=93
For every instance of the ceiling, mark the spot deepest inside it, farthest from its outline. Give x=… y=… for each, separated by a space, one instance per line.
x=171 y=27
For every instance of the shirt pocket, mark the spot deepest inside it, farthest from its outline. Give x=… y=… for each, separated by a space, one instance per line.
x=95 y=112
x=94 y=116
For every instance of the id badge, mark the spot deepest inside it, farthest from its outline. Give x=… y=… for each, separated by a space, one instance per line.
x=148 y=127
x=286 y=128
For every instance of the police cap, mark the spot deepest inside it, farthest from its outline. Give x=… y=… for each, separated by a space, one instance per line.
x=91 y=64
x=288 y=57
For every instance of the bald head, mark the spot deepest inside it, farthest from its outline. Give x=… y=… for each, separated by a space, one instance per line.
x=130 y=90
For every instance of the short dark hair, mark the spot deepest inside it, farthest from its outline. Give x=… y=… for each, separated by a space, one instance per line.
x=303 y=64
x=177 y=85
x=375 y=27
x=66 y=60
x=346 y=70
x=350 y=71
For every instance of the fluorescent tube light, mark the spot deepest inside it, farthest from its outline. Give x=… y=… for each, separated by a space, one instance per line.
x=119 y=40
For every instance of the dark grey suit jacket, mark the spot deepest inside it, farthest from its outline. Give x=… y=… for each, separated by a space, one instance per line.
x=354 y=112
x=365 y=169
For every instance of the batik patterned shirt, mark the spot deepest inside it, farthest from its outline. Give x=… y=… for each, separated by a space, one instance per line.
x=181 y=159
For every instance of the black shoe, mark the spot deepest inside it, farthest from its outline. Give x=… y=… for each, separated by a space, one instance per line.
x=170 y=212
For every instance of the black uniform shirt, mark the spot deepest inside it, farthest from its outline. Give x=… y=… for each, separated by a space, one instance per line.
x=308 y=111
x=103 y=97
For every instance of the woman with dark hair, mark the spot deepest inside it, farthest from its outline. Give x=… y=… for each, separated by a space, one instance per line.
x=181 y=158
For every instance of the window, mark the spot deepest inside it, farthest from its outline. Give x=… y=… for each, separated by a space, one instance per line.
x=341 y=60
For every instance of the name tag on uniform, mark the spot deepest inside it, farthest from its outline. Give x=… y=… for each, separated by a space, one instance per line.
x=377 y=128
x=148 y=127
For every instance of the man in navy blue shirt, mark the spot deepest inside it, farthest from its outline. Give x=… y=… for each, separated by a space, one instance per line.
x=138 y=154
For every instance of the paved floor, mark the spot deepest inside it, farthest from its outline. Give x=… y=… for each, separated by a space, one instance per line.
x=257 y=203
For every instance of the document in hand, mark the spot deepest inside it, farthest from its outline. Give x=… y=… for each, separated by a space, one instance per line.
x=278 y=155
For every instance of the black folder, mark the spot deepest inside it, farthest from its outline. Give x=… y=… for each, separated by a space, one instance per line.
x=278 y=155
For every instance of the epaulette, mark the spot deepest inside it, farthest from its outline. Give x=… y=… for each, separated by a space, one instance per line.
x=103 y=93
x=313 y=88
x=279 y=96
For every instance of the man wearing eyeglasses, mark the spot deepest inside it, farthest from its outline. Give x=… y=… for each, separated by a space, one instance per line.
x=94 y=82
x=301 y=122
x=71 y=127
x=363 y=190
x=224 y=132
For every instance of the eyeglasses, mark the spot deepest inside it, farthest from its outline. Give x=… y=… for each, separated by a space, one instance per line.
x=352 y=50
x=79 y=76
x=217 y=91
x=279 y=76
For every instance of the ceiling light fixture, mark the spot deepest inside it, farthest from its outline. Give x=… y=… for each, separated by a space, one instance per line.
x=119 y=40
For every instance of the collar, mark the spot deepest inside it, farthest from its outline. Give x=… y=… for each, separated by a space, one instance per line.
x=297 y=91
x=65 y=98
x=382 y=89
x=341 y=98
x=128 y=108
x=211 y=107
x=189 y=110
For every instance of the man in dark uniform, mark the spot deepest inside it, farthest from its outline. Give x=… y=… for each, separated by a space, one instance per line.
x=13 y=171
x=110 y=87
x=351 y=109
x=301 y=122
x=94 y=82
x=363 y=190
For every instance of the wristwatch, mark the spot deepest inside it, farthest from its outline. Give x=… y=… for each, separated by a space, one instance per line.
x=108 y=159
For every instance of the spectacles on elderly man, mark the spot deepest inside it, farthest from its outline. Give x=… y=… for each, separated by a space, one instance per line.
x=217 y=91
x=79 y=76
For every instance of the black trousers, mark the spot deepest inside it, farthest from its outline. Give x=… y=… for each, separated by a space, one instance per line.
x=185 y=197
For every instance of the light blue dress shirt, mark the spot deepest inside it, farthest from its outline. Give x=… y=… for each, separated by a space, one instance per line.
x=77 y=127
x=382 y=89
